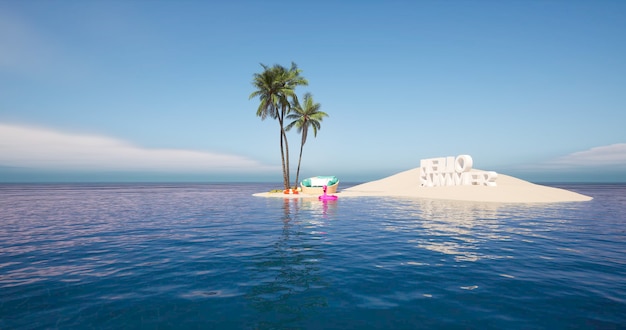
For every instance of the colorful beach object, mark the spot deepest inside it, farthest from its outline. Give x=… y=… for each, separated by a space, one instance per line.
x=313 y=185
x=326 y=197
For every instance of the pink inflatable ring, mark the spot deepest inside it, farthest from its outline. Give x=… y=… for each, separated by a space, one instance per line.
x=326 y=197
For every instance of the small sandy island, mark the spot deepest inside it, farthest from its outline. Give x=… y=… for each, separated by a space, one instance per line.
x=407 y=184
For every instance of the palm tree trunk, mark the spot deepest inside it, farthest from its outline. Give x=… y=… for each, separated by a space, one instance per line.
x=284 y=149
x=282 y=128
x=282 y=158
x=287 y=176
x=299 y=161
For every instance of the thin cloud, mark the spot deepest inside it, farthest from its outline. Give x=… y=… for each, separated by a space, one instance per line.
x=31 y=52
x=605 y=158
x=38 y=148
x=614 y=154
x=23 y=48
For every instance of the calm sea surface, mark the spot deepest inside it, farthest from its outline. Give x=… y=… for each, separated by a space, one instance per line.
x=214 y=257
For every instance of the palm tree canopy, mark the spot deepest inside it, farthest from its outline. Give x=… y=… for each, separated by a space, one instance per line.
x=306 y=115
x=274 y=86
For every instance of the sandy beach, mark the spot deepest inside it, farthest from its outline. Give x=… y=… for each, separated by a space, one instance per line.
x=407 y=184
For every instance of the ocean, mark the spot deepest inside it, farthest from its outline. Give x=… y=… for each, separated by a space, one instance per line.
x=212 y=256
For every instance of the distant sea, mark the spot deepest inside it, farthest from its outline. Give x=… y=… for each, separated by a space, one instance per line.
x=212 y=256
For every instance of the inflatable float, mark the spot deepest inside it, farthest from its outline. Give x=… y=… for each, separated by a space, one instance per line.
x=326 y=197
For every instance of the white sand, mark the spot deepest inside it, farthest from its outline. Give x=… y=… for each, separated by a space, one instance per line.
x=407 y=184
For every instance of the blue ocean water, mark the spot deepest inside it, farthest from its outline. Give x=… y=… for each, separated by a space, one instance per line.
x=212 y=256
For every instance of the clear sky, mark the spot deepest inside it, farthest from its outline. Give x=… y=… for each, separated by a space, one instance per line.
x=158 y=90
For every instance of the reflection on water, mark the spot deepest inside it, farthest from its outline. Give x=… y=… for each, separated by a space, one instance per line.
x=286 y=280
x=462 y=229
x=317 y=208
x=203 y=256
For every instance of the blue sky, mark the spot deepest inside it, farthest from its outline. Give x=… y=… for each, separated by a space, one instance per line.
x=158 y=90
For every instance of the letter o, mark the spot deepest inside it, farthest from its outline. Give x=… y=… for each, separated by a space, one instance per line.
x=463 y=163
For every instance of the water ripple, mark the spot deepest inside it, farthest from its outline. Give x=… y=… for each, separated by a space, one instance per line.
x=212 y=256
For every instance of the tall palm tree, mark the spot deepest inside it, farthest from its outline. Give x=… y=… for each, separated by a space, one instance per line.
x=304 y=117
x=275 y=86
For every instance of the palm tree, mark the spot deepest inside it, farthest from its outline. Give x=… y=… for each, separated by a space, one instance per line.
x=308 y=115
x=274 y=87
